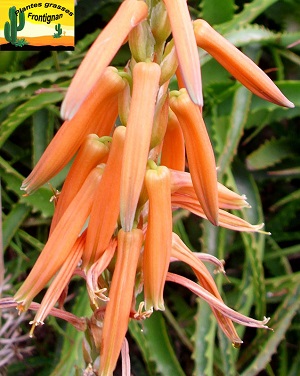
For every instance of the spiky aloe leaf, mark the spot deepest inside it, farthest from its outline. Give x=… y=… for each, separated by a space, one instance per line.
x=270 y=153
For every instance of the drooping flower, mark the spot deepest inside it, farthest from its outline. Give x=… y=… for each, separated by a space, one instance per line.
x=187 y=53
x=238 y=64
x=130 y=13
x=217 y=304
x=199 y=151
x=92 y=152
x=60 y=242
x=120 y=299
x=182 y=253
x=158 y=241
x=103 y=218
x=173 y=149
x=181 y=183
x=138 y=136
x=59 y=283
x=97 y=114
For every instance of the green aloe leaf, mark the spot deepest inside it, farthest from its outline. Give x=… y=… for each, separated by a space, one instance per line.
x=13 y=221
x=206 y=324
x=286 y=200
x=237 y=121
x=22 y=112
x=282 y=320
x=155 y=345
x=22 y=88
x=217 y=11
x=254 y=243
x=247 y=15
x=42 y=132
x=70 y=355
x=204 y=340
x=269 y=153
x=38 y=202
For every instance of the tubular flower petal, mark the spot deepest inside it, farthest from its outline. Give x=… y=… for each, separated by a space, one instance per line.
x=199 y=151
x=91 y=153
x=104 y=217
x=216 y=303
x=120 y=299
x=138 y=135
x=231 y=200
x=68 y=139
x=95 y=271
x=61 y=241
x=173 y=150
x=206 y=257
x=59 y=283
x=238 y=64
x=126 y=368
x=79 y=323
x=130 y=13
x=182 y=253
x=226 y=219
x=181 y=184
x=186 y=47
x=158 y=241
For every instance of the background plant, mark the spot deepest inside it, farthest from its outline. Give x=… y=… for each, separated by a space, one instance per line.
x=256 y=147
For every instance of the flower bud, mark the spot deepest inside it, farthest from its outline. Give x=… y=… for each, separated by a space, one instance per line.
x=159 y=22
x=141 y=42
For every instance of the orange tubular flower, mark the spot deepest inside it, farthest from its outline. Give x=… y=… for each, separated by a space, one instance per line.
x=59 y=283
x=181 y=184
x=173 y=150
x=68 y=139
x=138 y=135
x=91 y=153
x=61 y=241
x=186 y=47
x=104 y=217
x=199 y=151
x=216 y=303
x=226 y=219
x=130 y=13
x=121 y=295
x=158 y=241
x=182 y=253
x=238 y=64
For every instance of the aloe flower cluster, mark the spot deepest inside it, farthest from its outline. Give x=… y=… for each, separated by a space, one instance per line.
x=131 y=139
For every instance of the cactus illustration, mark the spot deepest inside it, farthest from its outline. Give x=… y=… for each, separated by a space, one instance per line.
x=59 y=31
x=11 y=29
